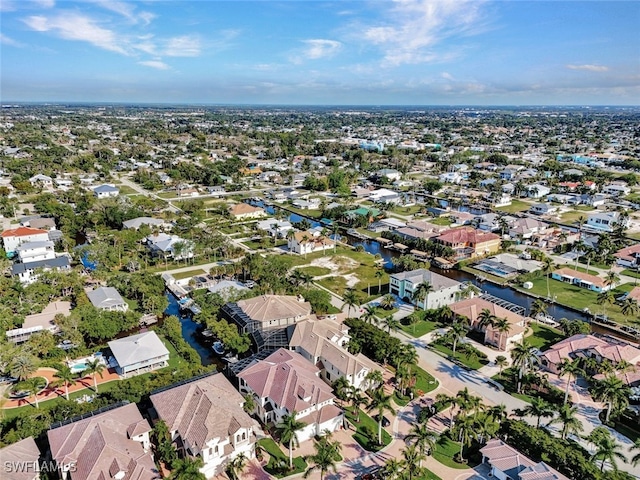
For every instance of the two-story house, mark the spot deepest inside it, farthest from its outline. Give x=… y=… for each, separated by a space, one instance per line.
x=606 y=221
x=284 y=383
x=444 y=291
x=11 y=239
x=206 y=419
x=468 y=242
x=308 y=242
x=137 y=354
x=107 y=298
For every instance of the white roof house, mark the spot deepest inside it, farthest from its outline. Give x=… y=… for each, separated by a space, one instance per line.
x=136 y=223
x=106 y=191
x=139 y=353
x=107 y=298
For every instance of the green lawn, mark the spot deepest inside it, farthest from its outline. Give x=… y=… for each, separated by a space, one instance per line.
x=543 y=336
x=367 y=431
x=304 y=213
x=516 y=206
x=578 y=298
x=412 y=210
x=127 y=190
x=425 y=381
x=276 y=456
x=445 y=452
x=631 y=273
x=444 y=221
x=572 y=216
x=420 y=328
x=493 y=278
x=168 y=194
x=315 y=271
x=188 y=273
x=472 y=363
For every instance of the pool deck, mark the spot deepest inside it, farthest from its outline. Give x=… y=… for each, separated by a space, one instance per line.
x=50 y=392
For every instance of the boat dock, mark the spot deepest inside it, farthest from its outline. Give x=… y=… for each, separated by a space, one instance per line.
x=352 y=232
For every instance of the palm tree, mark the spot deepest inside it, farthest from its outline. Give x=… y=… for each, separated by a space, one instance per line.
x=607 y=449
x=500 y=362
x=486 y=319
x=605 y=297
x=66 y=376
x=369 y=314
x=411 y=462
x=539 y=408
x=393 y=468
x=33 y=386
x=391 y=323
x=456 y=333
x=249 y=404
x=502 y=326
x=350 y=299
x=374 y=379
x=288 y=431
x=570 y=423
x=611 y=279
x=547 y=268
x=630 y=307
x=421 y=293
x=94 y=367
x=572 y=369
x=466 y=402
x=464 y=429
x=636 y=458
x=187 y=469
x=538 y=308
x=325 y=457
x=23 y=365
x=379 y=275
x=236 y=466
x=613 y=392
x=423 y=438
x=387 y=301
x=523 y=357
x=381 y=403
x=341 y=388
x=358 y=399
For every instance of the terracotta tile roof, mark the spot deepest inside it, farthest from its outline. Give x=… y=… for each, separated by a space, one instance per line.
x=23 y=232
x=23 y=451
x=584 y=344
x=587 y=277
x=471 y=308
x=204 y=410
x=466 y=235
x=274 y=307
x=634 y=294
x=288 y=379
x=628 y=253
x=516 y=465
x=94 y=443
x=243 y=209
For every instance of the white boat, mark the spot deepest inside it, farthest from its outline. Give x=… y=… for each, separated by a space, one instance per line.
x=218 y=347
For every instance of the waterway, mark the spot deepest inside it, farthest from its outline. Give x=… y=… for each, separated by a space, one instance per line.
x=389 y=256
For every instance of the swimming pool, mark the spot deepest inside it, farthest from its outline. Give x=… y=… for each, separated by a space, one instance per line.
x=78 y=367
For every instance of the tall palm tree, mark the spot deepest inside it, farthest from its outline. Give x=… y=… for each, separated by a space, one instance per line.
x=570 y=423
x=325 y=457
x=390 y=323
x=379 y=275
x=369 y=313
x=421 y=293
x=350 y=299
x=613 y=391
x=539 y=408
x=187 y=469
x=374 y=379
x=236 y=466
x=630 y=308
x=288 y=431
x=66 y=376
x=381 y=403
x=467 y=403
x=486 y=319
x=464 y=430
x=423 y=438
x=342 y=388
x=548 y=267
x=94 y=367
x=392 y=469
x=503 y=327
x=611 y=279
x=23 y=365
x=571 y=368
x=523 y=357
x=605 y=297
x=33 y=386
x=607 y=449
x=456 y=332
x=357 y=400
x=500 y=362
x=538 y=308
x=411 y=462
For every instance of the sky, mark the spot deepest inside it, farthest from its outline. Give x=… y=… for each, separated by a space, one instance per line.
x=314 y=52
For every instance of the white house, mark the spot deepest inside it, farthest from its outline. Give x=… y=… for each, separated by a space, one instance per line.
x=106 y=191
x=107 y=298
x=616 y=189
x=450 y=177
x=170 y=246
x=40 y=180
x=389 y=173
x=543 y=209
x=444 y=291
x=384 y=195
x=139 y=354
x=606 y=221
x=323 y=342
x=537 y=191
x=285 y=382
x=16 y=236
x=34 y=251
x=308 y=242
x=206 y=419
x=28 y=273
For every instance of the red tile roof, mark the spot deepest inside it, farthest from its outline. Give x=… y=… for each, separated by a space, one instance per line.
x=22 y=232
x=467 y=236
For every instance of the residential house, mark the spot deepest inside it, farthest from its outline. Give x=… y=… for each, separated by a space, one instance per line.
x=507 y=463
x=525 y=228
x=444 y=291
x=312 y=204
x=114 y=444
x=228 y=288
x=384 y=195
x=589 y=346
x=284 y=383
x=137 y=354
x=41 y=181
x=107 y=298
x=170 y=246
x=537 y=191
x=33 y=251
x=267 y=317
x=581 y=279
x=468 y=242
x=450 y=177
x=136 y=223
x=389 y=173
x=28 y=273
x=205 y=419
x=499 y=199
x=616 y=189
x=39 y=222
x=628 y=257
x=106 y=191
x=543 y=209
x=12 y=238
x=471 y=309
x=25 y=454
x=244 y=211
x=308 y=242
x=606 y=221
x=38 y=322
x=275 y=228
x=324 y=344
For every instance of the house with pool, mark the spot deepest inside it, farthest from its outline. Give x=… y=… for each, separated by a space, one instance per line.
x=138 y=354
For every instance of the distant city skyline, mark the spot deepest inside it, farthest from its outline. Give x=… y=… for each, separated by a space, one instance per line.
x=405 y=52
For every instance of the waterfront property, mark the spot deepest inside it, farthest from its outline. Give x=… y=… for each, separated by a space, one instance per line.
x=444 y=290
x=629 y=257
x=206 y=419
x=244 y=211
x=285 y=382
x=581 y=279
x=11 y=239
x=107 y=298
x=40 y=321
x=323 y=343
x=606 y=221
x=309 y=242
x=508 y=463
x=139 y=353
x=112 y=444
x=468 y=242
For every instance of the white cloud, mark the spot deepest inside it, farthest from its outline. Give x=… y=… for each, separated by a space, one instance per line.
x=126 y=10
x=184 y=46
x=415 y=27
x=9 y=41
x=321 y=48
x=157 y=64
x=589 y=68
x=75 y=26
x=45 y=3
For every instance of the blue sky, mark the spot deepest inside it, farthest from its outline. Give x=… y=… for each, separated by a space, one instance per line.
x=405 y=52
